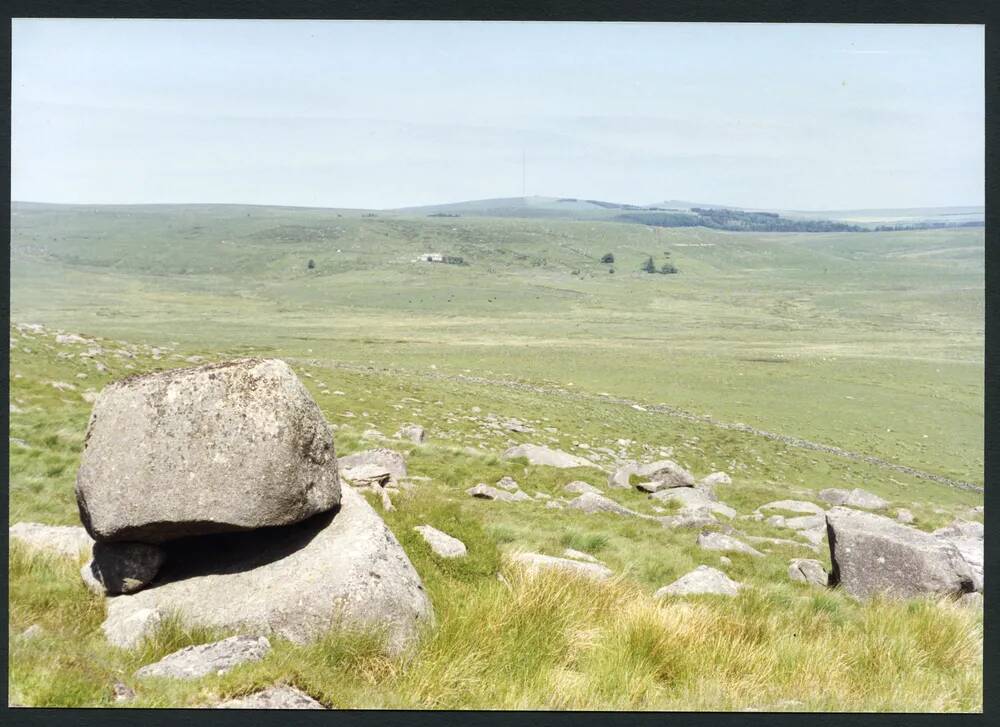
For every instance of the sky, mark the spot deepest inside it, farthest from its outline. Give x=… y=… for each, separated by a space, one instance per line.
x=379 y=114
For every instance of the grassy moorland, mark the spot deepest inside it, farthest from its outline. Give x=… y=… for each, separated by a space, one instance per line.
x=872 y=342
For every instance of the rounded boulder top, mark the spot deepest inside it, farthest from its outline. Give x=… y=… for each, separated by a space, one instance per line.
x=229 y=446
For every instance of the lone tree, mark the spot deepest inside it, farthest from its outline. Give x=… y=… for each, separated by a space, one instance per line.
x=649 y=266
x=311 y=264
x=608 y=258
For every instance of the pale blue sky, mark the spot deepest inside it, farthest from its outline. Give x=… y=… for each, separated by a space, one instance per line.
x=386 y=114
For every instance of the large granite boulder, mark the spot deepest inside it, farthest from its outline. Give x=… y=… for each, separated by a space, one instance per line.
x=539 y=455
x=872 y=554
x=342 y=568
x=216 y=448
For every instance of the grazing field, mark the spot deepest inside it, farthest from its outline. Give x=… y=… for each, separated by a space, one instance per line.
x=870 y=342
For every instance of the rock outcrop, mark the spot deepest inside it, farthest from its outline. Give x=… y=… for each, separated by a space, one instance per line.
x=337 y=569
x=485 y=492
x=223 y=447
x=872 y=554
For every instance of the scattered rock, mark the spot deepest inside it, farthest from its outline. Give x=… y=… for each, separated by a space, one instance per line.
x=805 y=522
x=872 y=554
x=69 y=540
x=217 y=448
x=621 y=476
x=441 y=543
x=32 y=632
x=904 y=516
x=807 y=570
x=485 y=492
x=344 y=568
x=579 y=555
x=126 y=629
x=853 y=498
x=366 y=475
x=725 y=560
x=555 y=505
x=802 y=506
x=663 y=474
x=122 y=692
x=64 y=339
x=703 y=579
x=591 y=502
x=118 y=568
x=718 y=541
x=534 y=562
x=508 y=483
x=388 y=459
x=717 y=478
x=578 y=488
x=539 y=455
x=694 y=500
x=218 y=657
x=280 y=696
x=516 y=425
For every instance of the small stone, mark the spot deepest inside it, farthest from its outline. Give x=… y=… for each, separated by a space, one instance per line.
x=441 y=543
x=718 y=541
x=703 y=579
x=277 y=697
x=507 y=483
x=534 y=562
x=412 y=432
x=578 y=488
x=579 y=555
x=122 y=692
x=218 y=657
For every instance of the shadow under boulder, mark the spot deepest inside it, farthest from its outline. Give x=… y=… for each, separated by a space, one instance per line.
x=335 y=569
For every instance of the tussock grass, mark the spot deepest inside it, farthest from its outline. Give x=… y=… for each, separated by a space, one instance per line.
x=543 y=641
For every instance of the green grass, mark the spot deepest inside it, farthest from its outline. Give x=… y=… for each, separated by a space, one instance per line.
x=871 y=342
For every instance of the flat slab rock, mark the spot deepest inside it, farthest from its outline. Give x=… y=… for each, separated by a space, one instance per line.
x=853 y=498
x=703 y=579
x=535 y=562
x=298 y=582
x=718 y=541
x=693 y=499
x=194 y=662
x=441 y=543
x=485 y=492
x=578 y=487
x=71 y=541
x=539 y=455
x=215 y=448
x=277 y=697
x=388 y=460
x=591 y=502
x=806 y=508
x=872 y=554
